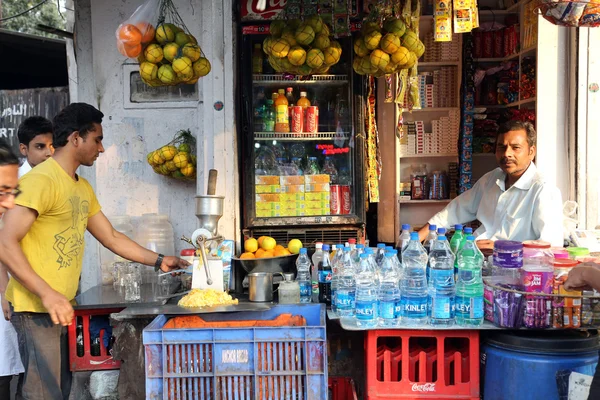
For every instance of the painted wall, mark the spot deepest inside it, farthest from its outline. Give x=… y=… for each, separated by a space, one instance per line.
x=123 y=181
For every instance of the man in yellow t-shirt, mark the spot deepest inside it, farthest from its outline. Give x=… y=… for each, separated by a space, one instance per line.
x=42 y=246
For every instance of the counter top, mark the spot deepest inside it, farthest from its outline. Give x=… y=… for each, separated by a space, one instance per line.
x=174 y=309
x=104 y=296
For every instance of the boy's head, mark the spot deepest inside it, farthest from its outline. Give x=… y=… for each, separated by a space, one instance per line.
x=35 y=140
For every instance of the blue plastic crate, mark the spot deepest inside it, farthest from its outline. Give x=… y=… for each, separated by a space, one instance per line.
x=283 y=363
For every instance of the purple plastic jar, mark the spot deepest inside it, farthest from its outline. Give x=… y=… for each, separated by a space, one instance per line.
x=508 y=258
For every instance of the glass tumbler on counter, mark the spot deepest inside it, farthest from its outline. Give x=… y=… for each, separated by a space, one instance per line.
x=132 y=281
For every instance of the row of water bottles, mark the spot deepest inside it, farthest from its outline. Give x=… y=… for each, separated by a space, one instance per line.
x=372 y=288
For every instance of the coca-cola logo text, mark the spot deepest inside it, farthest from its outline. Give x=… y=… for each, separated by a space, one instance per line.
x=251 y=12
x=426 y=387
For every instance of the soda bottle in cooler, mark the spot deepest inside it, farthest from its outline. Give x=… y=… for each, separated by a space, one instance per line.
x=268 y=121
x=367 y=287
x=303 y=276
x=257 y=59
x=330 y=169
x=469 y=285
x=389 y=291
x=413 y=287
x=345 y=294
x=325 y=277
x=282 y=118
x=341 y=113
x=289 y=95
x=313 y=166
x=441 y=288
x=303 y=101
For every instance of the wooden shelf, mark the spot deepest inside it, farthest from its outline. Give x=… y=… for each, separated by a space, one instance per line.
x=447 y=155
x=433 y=109
x=507 y=58
x=425 y=201
x=522 y=102
x=438 y=64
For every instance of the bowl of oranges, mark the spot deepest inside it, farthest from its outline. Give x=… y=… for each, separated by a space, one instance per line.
x=265 y=255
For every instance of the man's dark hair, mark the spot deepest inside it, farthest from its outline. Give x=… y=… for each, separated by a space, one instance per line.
x=7 y=157
x=520 y=126
x=75 y=117
x=32 y=127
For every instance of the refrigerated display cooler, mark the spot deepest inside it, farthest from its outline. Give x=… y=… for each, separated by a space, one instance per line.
x=306 y=181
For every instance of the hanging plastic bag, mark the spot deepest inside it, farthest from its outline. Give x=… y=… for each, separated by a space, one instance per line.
x=176 y=159
x=167 y=52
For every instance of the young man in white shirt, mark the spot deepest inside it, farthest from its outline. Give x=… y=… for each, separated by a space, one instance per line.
x=512 y=202
x=10 y=362
x=35 y=142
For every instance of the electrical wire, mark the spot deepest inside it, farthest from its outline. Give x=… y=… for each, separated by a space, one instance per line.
x=24 y=12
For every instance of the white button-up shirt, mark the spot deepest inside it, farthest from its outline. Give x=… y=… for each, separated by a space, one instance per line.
x=531 y=209
x=25 y=168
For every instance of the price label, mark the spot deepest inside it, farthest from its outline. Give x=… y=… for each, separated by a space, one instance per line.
x=256 y=30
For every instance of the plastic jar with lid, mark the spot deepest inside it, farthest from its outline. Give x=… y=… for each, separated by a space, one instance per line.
x=507 y=259
x=566 y=310
x=578 y=253
x=155 y=233
x=559 y=252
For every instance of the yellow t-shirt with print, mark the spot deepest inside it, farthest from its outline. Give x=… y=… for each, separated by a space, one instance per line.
x=55 y=242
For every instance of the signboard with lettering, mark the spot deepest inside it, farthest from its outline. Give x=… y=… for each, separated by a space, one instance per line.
x=17 y=105
x=250 y=12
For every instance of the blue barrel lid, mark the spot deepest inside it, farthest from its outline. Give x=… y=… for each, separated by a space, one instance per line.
x=564 y=341
x=507 y=245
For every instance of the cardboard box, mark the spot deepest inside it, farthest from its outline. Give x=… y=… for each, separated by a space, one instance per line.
x=292 y=189
x=317 y=187
x=308 y=179
x=293 y=205
x=317 y=211
x=291 y=180
x=317 y=204
x=267 y=197
x=322 y=196
x=268 y=205
x=291 y=197
x=259 y=189
x=266 y=180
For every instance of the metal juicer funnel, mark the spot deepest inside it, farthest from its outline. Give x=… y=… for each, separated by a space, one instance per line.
x=209 y=210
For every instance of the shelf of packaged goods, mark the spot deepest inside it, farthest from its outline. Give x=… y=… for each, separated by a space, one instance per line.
x=513 y=104
x=433 y=109
x=438 y=64
x=305 y=220
x=447 y=155
x=293 y=137
x=285 y=79
x=425 y=201
x=527 y=52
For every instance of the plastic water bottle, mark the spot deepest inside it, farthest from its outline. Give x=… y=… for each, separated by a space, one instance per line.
x=441 y=287
x=316 y=259
x=469 y=286
x=380 y=254
x=431 y=237
x=398 y=266
x=303 y=276
x=336 y=266
x=466 y=232
x=456 y=238
x=356 y=252
x=413 y=287
x=345 y=295
x=404 y=237
x=441 y=231
x=367 y=286
x=389 y=291
x=325 y=277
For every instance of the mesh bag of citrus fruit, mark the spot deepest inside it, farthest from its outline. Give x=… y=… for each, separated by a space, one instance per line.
x=302 y=47
x=167 y=52
x=176 y=159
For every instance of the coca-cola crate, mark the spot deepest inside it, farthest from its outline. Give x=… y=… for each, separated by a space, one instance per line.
x=88 y=362
x=341 y=388
x=422 y=364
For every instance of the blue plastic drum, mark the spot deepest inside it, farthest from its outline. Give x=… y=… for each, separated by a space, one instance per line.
x=524 y=364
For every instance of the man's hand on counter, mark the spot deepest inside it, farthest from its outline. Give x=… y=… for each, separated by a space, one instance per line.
x=486 y=247
x=58 y=307
x=171 y=264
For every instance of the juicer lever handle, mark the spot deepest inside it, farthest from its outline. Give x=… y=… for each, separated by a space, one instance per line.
x=212 y=182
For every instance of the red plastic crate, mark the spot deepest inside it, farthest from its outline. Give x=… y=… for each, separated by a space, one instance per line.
x=342 y=388
x=88 y=362
x=422 y=364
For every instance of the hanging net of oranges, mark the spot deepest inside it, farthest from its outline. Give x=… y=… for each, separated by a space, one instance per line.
x=176 y=159
x=157 y=37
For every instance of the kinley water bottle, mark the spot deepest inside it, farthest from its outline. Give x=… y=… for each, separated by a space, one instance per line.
x=389 y=291
x=345 y=295
x=413 y=288
x=441 y=304
x=469 y=286
x=367 y=286
x=303 y=276
x=336 y=267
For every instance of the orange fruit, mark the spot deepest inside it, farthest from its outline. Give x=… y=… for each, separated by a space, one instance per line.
x=287 y=252
x=259 y=253
x=147 y=31
x=260 y=240
x=129 y=34
x=279 y=247
x=267 y=254
x=279 y=252
x=129 y=50
x=246 y=255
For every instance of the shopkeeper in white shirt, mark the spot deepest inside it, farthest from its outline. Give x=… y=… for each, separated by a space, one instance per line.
x=512 y=202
